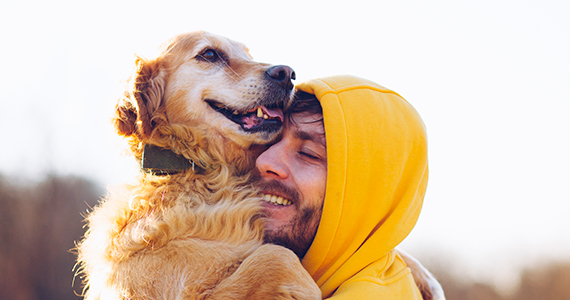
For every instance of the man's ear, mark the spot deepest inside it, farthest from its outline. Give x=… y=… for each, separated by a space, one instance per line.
x=142 y=107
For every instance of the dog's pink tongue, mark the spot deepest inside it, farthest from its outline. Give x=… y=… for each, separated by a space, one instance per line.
x=253 y=118
x=273 y=112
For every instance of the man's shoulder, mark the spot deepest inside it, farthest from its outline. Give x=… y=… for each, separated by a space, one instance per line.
x=379 y=281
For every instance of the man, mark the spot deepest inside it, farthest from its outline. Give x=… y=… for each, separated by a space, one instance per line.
x=345 y=185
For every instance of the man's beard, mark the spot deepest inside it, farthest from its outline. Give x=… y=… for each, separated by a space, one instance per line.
x=298 y=234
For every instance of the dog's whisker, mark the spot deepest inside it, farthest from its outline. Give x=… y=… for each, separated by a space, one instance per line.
x=229 y=67
x=233 y=71
x=229 y=74
x=223 y=69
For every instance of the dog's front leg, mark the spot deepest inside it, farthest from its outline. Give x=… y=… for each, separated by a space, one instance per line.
x=271 y=272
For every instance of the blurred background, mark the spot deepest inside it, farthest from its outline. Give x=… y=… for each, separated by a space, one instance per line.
x=491 y=80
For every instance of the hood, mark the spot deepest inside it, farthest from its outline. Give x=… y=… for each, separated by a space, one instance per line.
x=376 y=180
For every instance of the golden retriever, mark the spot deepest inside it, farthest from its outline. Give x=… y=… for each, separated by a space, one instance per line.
x=194 y=233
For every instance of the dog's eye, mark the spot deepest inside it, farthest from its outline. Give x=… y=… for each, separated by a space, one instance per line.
x=210 y=55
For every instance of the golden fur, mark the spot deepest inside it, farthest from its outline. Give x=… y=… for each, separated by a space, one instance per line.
x=427 y=284
x=192 y=235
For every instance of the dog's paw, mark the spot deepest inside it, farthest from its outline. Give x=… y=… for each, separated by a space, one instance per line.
x=271 y=272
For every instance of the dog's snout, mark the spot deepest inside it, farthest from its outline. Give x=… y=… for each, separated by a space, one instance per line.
x=282 y=75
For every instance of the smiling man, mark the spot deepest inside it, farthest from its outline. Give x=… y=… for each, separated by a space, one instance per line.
x=345 y=185
x=295 y=173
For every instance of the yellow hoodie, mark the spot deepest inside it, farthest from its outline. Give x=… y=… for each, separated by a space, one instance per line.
x=376 y=181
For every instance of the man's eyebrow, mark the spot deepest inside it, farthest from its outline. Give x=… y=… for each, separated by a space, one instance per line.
x=305 y=136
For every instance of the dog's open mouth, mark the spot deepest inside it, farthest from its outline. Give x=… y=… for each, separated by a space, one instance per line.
x=261 y=118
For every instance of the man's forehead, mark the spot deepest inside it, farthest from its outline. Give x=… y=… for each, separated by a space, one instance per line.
x=308 y=128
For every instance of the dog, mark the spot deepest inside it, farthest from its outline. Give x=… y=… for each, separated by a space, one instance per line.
x=194 y=232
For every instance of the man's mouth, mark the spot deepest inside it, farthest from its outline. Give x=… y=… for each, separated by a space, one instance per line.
x=276 y=200
x=261 y=118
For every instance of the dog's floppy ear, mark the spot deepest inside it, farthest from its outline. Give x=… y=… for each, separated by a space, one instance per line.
x=142 y=107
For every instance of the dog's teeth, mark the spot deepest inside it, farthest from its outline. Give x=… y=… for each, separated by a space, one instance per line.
x=236 y=112
x=259 y=112
x=265 y=116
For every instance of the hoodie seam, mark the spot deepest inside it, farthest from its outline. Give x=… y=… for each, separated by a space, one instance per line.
x=405 y=272
x=358 y=87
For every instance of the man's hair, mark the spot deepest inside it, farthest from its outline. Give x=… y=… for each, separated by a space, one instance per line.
x=305 y=103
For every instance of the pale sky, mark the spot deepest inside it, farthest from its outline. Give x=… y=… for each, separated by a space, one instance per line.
x=491 y=80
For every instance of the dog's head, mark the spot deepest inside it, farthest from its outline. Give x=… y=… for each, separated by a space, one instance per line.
x=201 y=79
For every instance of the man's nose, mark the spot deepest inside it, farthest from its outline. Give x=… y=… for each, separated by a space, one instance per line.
x=271 y=163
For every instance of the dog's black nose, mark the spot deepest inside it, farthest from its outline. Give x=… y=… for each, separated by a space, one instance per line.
x=281 y=74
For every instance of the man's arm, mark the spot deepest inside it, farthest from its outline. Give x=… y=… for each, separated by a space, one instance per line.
x=426 y=282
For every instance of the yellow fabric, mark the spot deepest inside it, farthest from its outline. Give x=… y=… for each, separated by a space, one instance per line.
x=376 y=181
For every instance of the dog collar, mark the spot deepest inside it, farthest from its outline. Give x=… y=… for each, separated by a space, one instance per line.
x=160 y=161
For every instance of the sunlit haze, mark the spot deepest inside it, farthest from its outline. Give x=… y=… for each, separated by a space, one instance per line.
x=491 y=80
